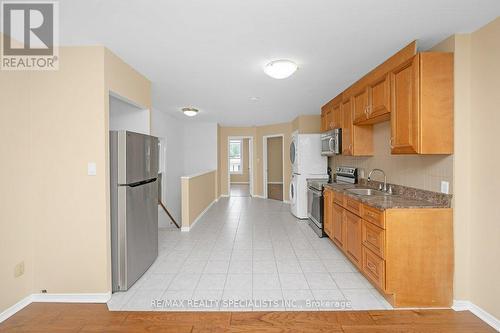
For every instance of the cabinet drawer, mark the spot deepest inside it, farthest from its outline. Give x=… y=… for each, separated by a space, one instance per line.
x=353 y=205
x=338 y=198
x=374 y=268
x=374 y=216
x=373 y=237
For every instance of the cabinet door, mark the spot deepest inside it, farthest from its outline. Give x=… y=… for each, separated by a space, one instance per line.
x=360 y=101
x=327 y=212
x=404 y=108
x=338 y=225
x=337 y=117
x=379 y=97
x=347 y=127
x=323 y=122
x=353 y=237
x=329 y=118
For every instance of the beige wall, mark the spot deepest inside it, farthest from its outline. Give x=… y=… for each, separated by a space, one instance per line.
x=425 y=172
x=62 y=122
x=275 y=160
x=16 y=220
x=198 y=193
x=476 y=212
x=307 y=124
x=484 y=227
x=245 y=176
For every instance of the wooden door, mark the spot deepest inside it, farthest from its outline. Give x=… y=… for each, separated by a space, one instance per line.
x=338 y=225
x=353 y=245
x=404 y=108
x=379 y=97
x=347 y=127
x=337 y=117
x=360 y=106
x=327 y=212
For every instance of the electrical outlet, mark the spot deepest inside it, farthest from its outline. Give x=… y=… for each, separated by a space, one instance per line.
x=445 y=187
x=19 y=269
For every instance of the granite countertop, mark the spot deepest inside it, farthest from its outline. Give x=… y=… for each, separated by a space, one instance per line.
x=403 y=197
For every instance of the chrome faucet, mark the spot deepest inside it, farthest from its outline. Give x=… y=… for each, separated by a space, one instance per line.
x=385 y=178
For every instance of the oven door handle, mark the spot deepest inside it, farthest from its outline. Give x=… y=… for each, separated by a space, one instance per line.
x=315 y=191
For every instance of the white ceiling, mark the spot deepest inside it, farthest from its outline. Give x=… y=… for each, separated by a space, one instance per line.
x=210 y=54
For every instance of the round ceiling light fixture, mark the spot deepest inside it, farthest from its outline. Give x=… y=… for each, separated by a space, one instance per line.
x=190 y=112
x=280 y=69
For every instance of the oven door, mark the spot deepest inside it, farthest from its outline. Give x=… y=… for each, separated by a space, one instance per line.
x=315 y=206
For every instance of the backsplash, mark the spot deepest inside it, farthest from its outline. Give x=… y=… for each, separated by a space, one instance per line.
x=419 y=171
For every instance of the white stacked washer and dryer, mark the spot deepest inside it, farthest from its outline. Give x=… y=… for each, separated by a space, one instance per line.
x=307 y=162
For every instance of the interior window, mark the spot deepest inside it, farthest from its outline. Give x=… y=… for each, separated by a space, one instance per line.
x=235 y=156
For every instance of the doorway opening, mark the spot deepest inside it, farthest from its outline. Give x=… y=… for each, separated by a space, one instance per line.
x=273 y=155
x=240 y=168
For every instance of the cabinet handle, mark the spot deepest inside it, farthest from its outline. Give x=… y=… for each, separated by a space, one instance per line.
x=391 y=142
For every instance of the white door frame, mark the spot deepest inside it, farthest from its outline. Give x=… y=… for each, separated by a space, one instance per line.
x=250 y=162
x=264 y=164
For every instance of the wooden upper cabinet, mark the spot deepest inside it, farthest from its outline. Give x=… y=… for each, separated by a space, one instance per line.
x=379 y=99
x=356 y=140
x=372 y=104
x=353 y=242
x=404 y=120
x=324 y=120
x=336 y=117
x=338 y=225
x=360 y=106
x=422 y=105
x=347 y=127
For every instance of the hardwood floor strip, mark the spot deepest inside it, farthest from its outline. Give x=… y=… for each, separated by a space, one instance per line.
x=86 y=318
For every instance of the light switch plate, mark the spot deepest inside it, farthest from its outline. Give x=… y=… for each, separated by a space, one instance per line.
x=91 y=169
x=445 y=187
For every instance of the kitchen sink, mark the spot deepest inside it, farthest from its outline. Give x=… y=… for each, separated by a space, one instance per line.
x=366 y=191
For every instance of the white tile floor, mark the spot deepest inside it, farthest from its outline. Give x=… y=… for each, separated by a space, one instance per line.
x=240 y=190
x=249 y=254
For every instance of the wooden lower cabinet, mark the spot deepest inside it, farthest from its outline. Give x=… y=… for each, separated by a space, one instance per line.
x=353 y=237
x=327 y=212
x=407 y=254
x=374 y=268
x=338 y=226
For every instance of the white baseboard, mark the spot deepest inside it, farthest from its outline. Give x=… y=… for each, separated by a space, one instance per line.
x=239 y=183
x=286 y=201
x=259 y=196
x=187 y=229
x=9 y=312
x=488 y=318
x=72 y=298
x=54 y=298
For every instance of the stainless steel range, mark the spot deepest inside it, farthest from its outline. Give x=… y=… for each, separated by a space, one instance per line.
x=315 y=196
x=315 y=205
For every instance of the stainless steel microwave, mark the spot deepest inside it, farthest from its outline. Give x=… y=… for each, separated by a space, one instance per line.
x=331 y=142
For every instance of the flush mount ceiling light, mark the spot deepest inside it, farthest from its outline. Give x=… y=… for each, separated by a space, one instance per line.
x=280 y=69
x=190 y=112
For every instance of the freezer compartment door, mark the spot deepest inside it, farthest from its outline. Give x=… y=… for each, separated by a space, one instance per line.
x=142 y=157
x=141 y=229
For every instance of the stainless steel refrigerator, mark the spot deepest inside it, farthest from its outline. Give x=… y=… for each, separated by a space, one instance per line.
x=134 y=206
